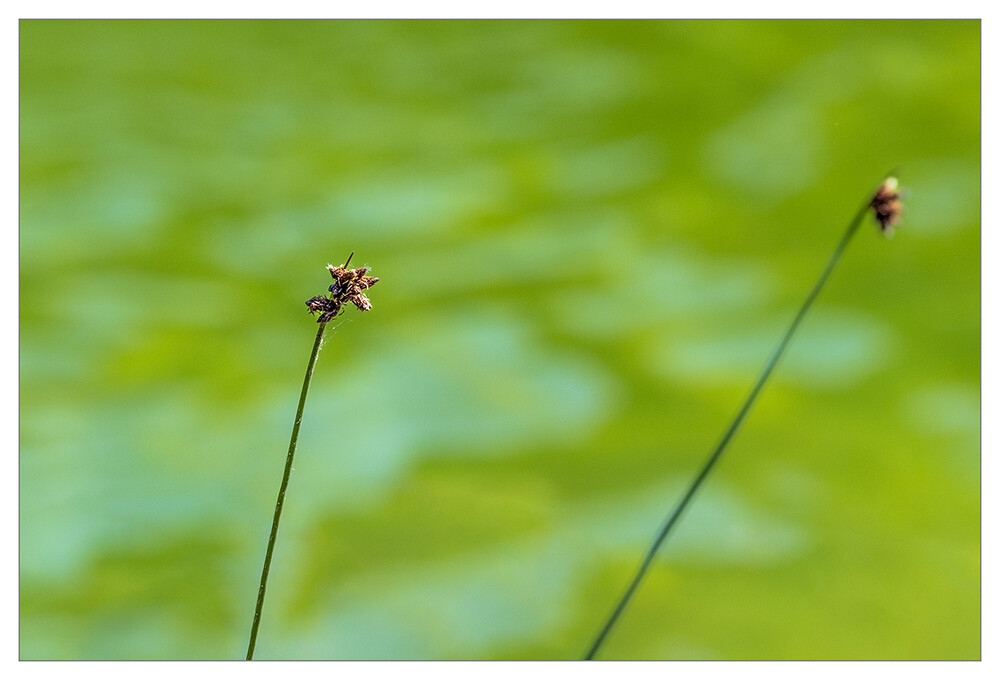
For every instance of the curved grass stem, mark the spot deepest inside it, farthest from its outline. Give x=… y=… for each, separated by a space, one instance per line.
x=720 y=447
x=281 y=491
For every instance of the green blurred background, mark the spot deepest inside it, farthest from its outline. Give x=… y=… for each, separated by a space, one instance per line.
x=589 y=235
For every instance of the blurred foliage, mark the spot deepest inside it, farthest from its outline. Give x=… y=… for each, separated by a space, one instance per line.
x=589 y=236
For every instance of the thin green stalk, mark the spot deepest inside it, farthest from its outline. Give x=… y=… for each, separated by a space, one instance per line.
x=281 y=491
x=716 y=453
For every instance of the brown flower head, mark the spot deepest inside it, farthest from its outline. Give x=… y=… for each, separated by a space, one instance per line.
x=323 y=304
x=348 y=286
x=887 y=205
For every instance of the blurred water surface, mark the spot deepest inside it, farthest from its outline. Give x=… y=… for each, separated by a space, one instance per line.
x=589 y=237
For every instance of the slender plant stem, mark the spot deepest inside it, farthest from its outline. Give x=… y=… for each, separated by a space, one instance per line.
x=716 y=453
x=281 y=491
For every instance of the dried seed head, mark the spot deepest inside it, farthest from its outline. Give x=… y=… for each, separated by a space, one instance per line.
x=346 y=287
x=887 y=205
x=323 y=304
x=348 y=284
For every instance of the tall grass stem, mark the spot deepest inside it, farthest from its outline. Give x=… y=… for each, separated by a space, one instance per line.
x=720 y=447
x=281 y=491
